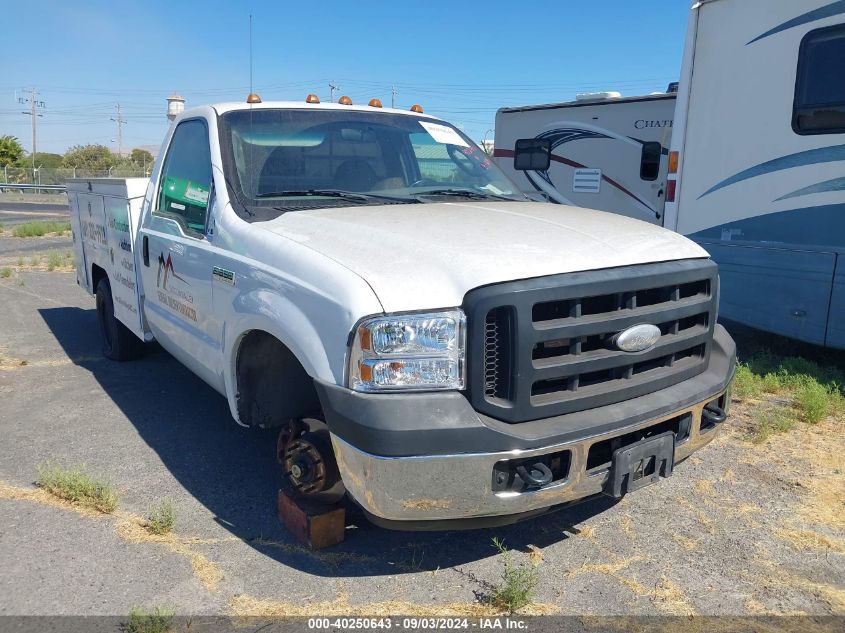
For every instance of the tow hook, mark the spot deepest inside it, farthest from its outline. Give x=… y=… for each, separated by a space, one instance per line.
x=714 y=414
x=530 y=473
x=539 y=474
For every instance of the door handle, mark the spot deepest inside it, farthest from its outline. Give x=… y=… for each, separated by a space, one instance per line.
x=146 y=250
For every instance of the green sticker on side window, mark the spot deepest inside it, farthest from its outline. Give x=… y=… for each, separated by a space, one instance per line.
x=185 y=198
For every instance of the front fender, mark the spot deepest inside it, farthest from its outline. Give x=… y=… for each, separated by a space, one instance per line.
x=307 y=338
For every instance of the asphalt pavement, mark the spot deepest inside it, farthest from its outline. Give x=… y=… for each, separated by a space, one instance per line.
x=18 y=212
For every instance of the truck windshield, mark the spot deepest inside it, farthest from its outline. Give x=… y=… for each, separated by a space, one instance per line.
x=290 y=159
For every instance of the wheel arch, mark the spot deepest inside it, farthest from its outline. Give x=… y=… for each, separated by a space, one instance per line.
x=294 y=354
x=97 y=273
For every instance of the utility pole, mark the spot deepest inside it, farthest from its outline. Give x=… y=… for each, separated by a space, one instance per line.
x=120 y=122
x=33 y=104
x=333 y=87
x=393 y=93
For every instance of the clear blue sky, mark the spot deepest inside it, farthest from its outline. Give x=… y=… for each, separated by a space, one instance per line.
x=460 y=60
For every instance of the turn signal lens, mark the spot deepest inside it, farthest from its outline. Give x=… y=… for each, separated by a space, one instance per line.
x=344 y=100
x=673 y=162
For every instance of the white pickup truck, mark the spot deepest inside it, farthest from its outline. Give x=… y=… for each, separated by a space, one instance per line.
x=427 y=340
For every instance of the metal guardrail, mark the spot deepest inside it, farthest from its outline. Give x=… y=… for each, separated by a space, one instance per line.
x=14 y=185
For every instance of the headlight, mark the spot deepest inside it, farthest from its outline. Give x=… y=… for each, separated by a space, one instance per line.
x=411 y=351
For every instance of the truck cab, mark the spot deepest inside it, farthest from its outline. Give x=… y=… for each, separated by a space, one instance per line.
x=427 y=340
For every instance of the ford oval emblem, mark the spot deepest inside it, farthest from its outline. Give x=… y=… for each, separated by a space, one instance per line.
x=637 y=338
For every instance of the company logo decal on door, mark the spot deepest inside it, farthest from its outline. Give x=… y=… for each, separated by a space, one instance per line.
x=174 y=296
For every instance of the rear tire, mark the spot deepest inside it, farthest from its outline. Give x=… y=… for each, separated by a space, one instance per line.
x=118 y=342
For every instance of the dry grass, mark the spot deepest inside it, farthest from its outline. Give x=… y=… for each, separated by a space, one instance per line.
x=133 y=529
x=8 y=361
x=52 y=260
x=248 y=606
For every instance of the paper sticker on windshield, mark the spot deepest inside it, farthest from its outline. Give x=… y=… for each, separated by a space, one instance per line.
x=444 y=134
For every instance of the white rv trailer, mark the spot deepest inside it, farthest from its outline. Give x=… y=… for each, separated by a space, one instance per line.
x=759 y=141
x=601 y=151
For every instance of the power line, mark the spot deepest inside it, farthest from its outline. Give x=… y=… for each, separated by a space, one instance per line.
x=33 y=104
x=120 y=123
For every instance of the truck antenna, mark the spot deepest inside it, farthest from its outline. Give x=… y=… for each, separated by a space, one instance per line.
x=250 y=53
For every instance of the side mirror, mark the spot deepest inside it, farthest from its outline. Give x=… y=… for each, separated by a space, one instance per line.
x=531 y=154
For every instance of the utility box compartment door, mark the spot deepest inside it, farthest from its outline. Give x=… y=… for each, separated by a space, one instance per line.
x=124 y=286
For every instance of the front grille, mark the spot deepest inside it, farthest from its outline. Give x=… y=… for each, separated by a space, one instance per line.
x=544 y=347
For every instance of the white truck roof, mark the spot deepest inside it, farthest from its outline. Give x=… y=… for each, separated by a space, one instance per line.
x=230 y=106
x=590 y=101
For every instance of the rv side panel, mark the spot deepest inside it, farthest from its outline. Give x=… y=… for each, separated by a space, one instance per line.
x=608 y=154
x=766 y=200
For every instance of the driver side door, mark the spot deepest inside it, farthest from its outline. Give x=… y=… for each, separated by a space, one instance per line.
x=176 y=258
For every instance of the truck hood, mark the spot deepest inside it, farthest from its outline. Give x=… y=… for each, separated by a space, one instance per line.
x=427 y=256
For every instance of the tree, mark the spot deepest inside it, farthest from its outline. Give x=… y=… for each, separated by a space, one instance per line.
x=11 y=150
x=141 y=157
x=42 y=159
x=93 y=157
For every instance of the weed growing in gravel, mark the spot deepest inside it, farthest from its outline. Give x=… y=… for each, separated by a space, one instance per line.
x=20 y=261
x=54 y=260
x=77 y=485
x=37 y=228
x=5 y=273
x=811 y=391
x=35 y=260
x=769 y=421
x=161 y=517
x=516 y=589
x=156 y=620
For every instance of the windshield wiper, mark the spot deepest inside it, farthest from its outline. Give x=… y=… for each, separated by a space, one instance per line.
x=328 y=193
x=332 y=193
x=464 y=193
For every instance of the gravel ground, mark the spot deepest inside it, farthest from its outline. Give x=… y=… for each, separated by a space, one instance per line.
x=739 y=529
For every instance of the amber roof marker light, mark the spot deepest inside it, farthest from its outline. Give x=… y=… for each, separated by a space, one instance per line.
x=417 y=108
x=344 y=100
x=374 y=103
x=312 y=98
x=253 y=98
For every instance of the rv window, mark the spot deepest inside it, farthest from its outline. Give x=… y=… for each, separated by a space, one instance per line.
x=820 y=92
x=532 y=154
x=650 y=161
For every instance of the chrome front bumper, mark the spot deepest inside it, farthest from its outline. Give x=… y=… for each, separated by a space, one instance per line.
x=460 y=486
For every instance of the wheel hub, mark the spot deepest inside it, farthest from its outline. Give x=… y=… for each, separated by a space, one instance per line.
x=305 y=467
